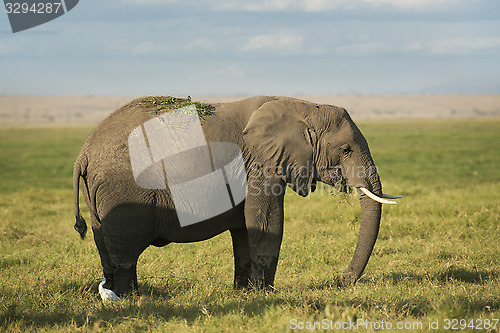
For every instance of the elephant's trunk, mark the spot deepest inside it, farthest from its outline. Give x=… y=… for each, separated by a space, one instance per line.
x=368 y=231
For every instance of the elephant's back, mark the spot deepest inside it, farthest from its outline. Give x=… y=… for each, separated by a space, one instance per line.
x=107 y=151
x=118 y=125
x=220 y=122
x=110 y=137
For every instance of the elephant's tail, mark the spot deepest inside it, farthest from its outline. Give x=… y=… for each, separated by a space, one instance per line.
x=80 y=225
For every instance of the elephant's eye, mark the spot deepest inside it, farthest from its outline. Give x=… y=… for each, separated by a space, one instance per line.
x=346 y=149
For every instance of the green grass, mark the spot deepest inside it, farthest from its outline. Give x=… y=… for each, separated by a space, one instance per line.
x=437 y=256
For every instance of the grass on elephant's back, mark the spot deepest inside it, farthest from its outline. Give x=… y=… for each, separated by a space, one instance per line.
x=157 y=105
x=436 y=256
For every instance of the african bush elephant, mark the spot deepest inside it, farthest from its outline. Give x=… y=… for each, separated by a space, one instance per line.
x=146 y=184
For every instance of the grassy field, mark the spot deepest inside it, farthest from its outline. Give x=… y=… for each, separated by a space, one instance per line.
x=437 y=256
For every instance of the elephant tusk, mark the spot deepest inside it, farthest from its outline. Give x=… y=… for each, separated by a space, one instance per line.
x=376 y=198
x=390 y=196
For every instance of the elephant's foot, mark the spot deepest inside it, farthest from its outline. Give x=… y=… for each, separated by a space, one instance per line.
x=125 y=279
x=258 y=285
x=262 y=273
x=242 y=275
x=250 y=283
x=240 y=282
x=121 y=282
x=242 y=258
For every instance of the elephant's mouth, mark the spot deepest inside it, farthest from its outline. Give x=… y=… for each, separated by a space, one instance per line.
x=382 y=200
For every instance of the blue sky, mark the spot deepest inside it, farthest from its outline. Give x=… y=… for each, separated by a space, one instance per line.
x=272 y=47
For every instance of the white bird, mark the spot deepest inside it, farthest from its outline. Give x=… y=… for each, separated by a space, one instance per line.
x=107 y=295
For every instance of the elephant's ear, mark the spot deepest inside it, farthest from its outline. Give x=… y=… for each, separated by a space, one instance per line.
x=277 y=136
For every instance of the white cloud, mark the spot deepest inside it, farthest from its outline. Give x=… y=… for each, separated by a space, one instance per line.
x=285 y=43
x=325 y=5
x=305 y=5
x=461 y=46
x=414 y=4
x=231 y=70
x=269 y=5
x=9 y=47
x=279 y=5
x=4 y=49
x=159 y=48
x=152 y=2
x=362 y=49
x=415 y=46
x=149 y=48
x=200 y=44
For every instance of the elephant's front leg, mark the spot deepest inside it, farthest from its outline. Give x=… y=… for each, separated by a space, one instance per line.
x=264 y=216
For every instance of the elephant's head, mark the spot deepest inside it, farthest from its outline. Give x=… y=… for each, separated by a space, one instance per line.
x=308 y=143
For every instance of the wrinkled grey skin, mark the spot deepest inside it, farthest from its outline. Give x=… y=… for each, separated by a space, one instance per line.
x=311 y=142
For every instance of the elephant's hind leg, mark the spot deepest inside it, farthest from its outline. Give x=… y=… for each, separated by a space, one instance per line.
x=242 y=259
x=107 y=265
x=124 y=255
x=127 y=233
x=125 y=278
